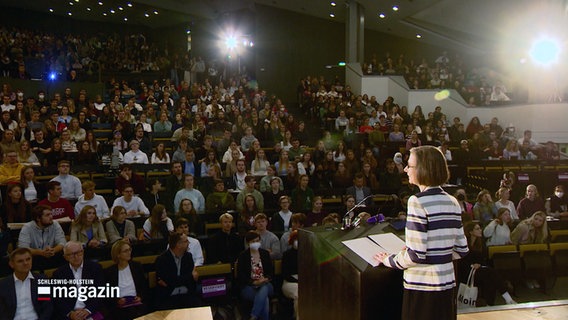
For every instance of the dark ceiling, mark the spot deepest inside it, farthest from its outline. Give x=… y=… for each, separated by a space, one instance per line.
x=479 y=26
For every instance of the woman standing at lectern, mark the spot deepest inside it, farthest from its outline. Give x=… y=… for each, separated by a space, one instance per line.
x=434 y=237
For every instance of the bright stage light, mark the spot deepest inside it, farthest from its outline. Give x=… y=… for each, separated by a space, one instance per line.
x=545 y=51
x=231 y=42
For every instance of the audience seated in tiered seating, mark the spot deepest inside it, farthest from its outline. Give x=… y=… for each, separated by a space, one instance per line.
x=229 y=136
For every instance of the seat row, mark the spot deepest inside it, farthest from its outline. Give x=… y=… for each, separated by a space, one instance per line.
x=543 y=262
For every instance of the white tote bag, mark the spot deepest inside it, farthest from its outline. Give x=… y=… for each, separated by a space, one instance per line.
x=467 y=293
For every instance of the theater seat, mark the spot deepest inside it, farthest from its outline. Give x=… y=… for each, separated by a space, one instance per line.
x=559 y=254
x=537 y=264
x=507 y=261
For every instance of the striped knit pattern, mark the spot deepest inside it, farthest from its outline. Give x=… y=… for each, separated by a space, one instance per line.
x=434 y=233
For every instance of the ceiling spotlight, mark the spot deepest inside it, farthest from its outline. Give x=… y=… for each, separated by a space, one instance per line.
x=146 y=15
x=382 y=15
x=76 y=0
x=332 y=15
x=231 y=43
x=120 y=8
x=112 y=11
x=100 y=3
x=129 y=4
x=69 y=13
x=88 y=8
x=545 y=51
x=419 y=36
x=155 y=11
x=125 y=19
x=105 y=14
x=188 y=32
x=71 y=3
x=333 y=4
x=394 y=8
x=50 y=9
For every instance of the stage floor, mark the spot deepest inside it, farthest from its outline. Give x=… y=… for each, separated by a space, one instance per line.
x=549 y=310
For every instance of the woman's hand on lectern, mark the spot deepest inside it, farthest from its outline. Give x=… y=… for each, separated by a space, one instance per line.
x=379 y=257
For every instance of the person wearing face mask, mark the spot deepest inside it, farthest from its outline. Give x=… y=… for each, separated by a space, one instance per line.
x=467 y=208
x=557 y=204
x=398 y=161
x=254 y=275
x=41 y=99
x=290 y=271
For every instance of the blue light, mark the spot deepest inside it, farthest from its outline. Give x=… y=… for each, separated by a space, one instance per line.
x=545 y=51
x=52 y=76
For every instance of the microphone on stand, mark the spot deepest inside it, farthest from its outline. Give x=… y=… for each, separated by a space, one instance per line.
x=348 y=221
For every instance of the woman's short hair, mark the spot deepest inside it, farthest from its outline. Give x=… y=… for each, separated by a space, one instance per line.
x=431 y=166
x=116 y=248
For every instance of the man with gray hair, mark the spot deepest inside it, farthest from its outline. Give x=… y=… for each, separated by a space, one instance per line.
x=78 y=269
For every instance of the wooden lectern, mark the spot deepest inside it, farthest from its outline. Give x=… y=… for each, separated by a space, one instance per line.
x=335 y=283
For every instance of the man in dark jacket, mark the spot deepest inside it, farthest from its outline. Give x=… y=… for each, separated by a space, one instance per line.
x=176 y=276
x=19 y=293
x=83 y=270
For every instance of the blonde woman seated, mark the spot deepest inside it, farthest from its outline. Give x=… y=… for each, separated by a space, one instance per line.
x=531 y=230
x=120 y=228
x=260 y=164
x=158 y=225
x=26 y=156
x=88 y=229
x=497 y=231
x=128 y=275
x=504 y=194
